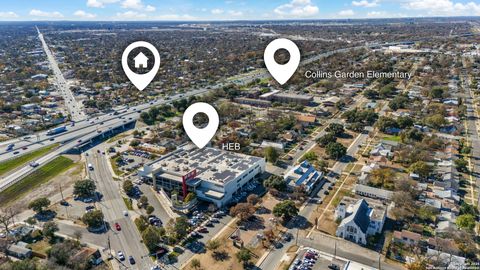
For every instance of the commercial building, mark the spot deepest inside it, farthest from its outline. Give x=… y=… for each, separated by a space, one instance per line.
x=285 y=97
x=304 y=175
x=214 y=175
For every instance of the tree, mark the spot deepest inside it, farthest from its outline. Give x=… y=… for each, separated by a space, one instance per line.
x=49 y=229
x=93 y=219
x=275 y=182
x=178 y=227
x=370 y=94
x=309 y=156
x=437 y=92
x=84 y=188
x=253 y=199
x=39 y=204
x=190 y=197
x=271 y=154
x=421 y=168
x=436 y=121
x=461 y=165
x=152 y=236
x=143 y=201
x=213 y=245
x=384 y=123
x=285 y=210
x=195 y=264
x=243 y=211
x=336 y=150
x=336 y=129
x=7 y=218
x=243 y=255
x=149 y=209
x=411 y=134
x=128 y=187
x=466 y=221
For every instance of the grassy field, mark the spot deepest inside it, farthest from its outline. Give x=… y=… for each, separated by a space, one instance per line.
x=13 y=163
x=35 y=179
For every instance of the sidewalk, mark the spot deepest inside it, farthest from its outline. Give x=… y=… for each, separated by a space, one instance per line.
x=165 y=202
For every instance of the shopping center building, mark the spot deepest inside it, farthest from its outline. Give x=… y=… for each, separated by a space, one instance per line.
x=214 y=175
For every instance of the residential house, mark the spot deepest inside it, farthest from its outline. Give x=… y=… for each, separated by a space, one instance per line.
x=406 y=237
x=372 y=192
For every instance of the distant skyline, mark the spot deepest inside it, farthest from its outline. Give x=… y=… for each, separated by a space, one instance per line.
x=101 y=10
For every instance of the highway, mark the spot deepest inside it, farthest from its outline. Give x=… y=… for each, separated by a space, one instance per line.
x=73 y=107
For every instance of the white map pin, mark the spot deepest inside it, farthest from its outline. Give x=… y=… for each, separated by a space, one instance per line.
x=141 y=80
x=281 y=73
x=200 y=136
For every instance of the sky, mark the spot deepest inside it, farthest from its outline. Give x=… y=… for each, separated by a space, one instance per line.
x=170 y=10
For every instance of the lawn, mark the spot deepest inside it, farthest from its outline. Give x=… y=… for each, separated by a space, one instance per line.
x=128 y=203
x=392 y=138
x=13 y=163
x=35 y=179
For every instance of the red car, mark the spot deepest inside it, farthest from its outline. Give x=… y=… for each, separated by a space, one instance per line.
x=117 y=226
x=203 y=230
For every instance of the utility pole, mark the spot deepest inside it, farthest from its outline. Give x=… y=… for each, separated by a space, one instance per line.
x=335 y=249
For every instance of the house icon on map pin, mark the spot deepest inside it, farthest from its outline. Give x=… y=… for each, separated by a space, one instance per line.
x=141 y=60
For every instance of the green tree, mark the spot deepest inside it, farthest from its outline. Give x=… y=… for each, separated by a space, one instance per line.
x=436 y=121
x=190 y=197
x=271 y=154
x=49 y=229
x=370 y=94
x=93 y=219
x=39 y=205
x=466 y=221
x=152 y=236
x=84 y=188
x=276 y=182
x=244 y=256
x=461 y=165
x=149 y=209
x=309 y=156
x=285 y=210
x=336 y=150
x=326 y=139
x=421 y=168
x=336 y=129
x=128 y=187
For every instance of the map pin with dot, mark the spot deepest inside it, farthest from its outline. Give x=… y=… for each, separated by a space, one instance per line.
x=281 y=73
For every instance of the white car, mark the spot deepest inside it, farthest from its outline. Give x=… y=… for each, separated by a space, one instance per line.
x=125 y=213
x=121 y=257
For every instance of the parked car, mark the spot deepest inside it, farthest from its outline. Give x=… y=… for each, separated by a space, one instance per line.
x=131 y=259
x=120 y=256
x=117 y=226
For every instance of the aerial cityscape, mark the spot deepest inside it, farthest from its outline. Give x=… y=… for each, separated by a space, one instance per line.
x=236 y=140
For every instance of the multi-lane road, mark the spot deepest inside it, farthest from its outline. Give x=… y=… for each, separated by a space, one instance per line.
x=128 y=239
x=74 y=108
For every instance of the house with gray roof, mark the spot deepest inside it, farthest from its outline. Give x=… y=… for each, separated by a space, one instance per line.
x=359 y=219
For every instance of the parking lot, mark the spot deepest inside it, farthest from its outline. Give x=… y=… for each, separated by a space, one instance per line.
x=132 y=160
x=311 y=259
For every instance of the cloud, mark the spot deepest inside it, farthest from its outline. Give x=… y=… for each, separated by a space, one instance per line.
x=39 y=13
x=128 y=15
x=375 y=14
x=100 y=3
x=84 y=15
x=216 y=11
x=443 y=7
x=365 y=3
x=8 y=15
x=235 y=13
x=297 y=8
x=346 y=13
x=137 y=5
x=149 y=8
x=175 y=17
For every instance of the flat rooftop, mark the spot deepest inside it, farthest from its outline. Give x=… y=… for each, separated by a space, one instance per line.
x=212 y=164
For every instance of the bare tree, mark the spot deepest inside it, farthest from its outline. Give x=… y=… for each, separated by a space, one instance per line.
x=7 y=218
